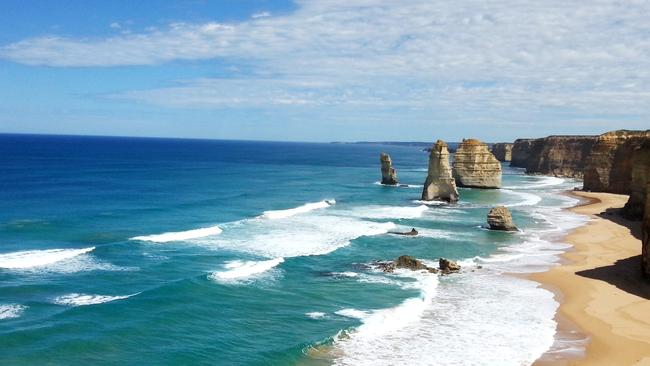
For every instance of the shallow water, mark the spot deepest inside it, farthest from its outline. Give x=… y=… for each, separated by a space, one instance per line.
x=153 y=251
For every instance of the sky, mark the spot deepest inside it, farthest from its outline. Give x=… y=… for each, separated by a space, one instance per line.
x=324 y=70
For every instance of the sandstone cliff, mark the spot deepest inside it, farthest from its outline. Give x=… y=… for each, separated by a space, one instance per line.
x=520 y=152
x=635 y=206
x=609 y=165
x=645 y=236
x=561 y=156
x=475 y=166
x=502 y=151
x=439 y=185
x=388 y=174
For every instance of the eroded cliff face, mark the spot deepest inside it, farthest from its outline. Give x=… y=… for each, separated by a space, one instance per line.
x=610 y=163
x=645 y=237
x=502 y=151
x=635 y=206
x=388 y=173
x=439 y=185
x=475 y=166
x=520 y=152
x=560 y=156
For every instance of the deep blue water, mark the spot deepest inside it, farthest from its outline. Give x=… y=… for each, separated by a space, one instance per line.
x=289 y=287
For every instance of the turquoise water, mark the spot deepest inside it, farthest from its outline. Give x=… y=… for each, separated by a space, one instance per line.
x=154 y=251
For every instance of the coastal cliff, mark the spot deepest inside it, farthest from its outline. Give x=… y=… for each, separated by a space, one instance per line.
x=475 y=166
x=439 y=185
x=645 y=236
x=610 y=163
x=560 y=156
x=520 y=152
x=502 y=151
x=388 y=173
x=635 y=206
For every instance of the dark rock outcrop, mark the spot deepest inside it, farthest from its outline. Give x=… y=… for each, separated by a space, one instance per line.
x=475 y=166
x=635 y=206
x=406 y=262
x=413 y=232
x=610 y=163
x=645 y=236
x=502 y=151
x=448 y=266
x=388 y=173
x=499 y=218
x=521 y=152
x=439 y=185
x=560 y=156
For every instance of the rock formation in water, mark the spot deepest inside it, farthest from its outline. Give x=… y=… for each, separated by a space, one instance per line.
x=405 y=262
x=499 y=218
x=645 y=237
x=413 y=232
x=635 y=206
x=439 y=185
x=560 y=156
x=448 y=266
x=521 y=152
x=609 y=165
x=475 y=166
x=388 y=174
x=502 y=151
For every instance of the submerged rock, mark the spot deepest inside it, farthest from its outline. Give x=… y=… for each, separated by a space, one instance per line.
x=502 y=151
x=388 y=173
x=499 y=218
x=405 y=262
x=413 y=232
x=448 y=266
x=439 y=185
x=475 y=166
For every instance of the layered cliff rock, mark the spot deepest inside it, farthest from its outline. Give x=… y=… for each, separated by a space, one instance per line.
x=502 y=151
x=609 y=165
x=521 y=152
x=560 y=156
x=475 y=166
x=439 y=185
x=500 y=218
x=645 y=237
x=635 y=206
x=388 y=173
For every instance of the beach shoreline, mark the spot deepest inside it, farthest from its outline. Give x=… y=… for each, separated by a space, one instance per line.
x=603 y=297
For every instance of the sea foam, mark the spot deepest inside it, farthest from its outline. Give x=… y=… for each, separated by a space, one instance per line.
x=281 y=214
x=180 y=235
x=237 y=270
x=39 y=258
x=10 y=311
x=75 y=299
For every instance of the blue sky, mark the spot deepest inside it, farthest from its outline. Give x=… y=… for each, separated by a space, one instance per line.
x=327 y=70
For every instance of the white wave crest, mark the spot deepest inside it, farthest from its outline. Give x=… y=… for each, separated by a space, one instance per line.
x=75 y=299
x=529 y=199
x=281 y=214
x=352 y=313
x=38 y=258
x=243 y=270
x=10 y=311
x=181 y=235
x=542 y=182
x=315 y=315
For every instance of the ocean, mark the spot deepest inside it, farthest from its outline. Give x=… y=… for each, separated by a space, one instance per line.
x=138 y=251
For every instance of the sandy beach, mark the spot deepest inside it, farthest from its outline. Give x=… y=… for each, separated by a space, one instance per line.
x=600 y=287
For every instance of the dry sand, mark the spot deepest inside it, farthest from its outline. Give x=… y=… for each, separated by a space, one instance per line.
x=600 y=287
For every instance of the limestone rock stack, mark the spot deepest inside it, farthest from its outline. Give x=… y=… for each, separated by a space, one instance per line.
x=439 y=185
x=635 y=206
x=388 y=173
x=502 y=151
x=645 y=237
x=499 y=218
x=475 y=166
x=520 y=152
x=610 y=163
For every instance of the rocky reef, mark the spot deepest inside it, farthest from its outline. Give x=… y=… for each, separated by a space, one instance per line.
x=635 y=206
x=645 y=238
x=439 y=185
x=475 y=166
x=446 y=266
x=560 y=156
x=499 y=218
x=388 y=173
x=610 y=163
x=520 y=152
x=502 y=151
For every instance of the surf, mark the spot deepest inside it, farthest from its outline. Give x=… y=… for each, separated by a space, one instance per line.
x=39 y=258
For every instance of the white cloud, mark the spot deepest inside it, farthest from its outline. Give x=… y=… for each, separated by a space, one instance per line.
x=263 y=14
x=495 y=56
x=115 y=25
